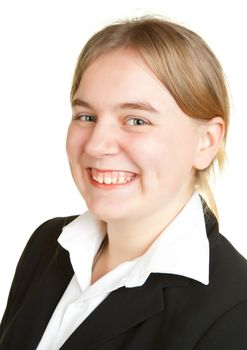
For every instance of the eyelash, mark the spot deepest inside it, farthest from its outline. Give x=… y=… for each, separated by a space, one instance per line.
x=93 y=119
x=143 y=122
x=86 y=115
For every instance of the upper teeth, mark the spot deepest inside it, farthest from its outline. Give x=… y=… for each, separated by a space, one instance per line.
x=112 y=177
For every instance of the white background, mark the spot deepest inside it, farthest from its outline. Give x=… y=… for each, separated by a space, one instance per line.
x=40 y=42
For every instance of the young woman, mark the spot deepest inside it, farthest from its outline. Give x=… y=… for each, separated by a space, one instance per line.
x=145 y=267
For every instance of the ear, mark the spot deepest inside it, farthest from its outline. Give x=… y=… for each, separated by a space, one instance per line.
x=210 y=138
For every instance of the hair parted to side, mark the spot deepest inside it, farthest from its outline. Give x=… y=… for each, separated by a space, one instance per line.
x=182 y=61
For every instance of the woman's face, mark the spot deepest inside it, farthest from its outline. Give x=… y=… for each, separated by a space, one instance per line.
x=130 y=147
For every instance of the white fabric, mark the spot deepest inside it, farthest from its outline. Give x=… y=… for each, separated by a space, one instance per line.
x=182 y=249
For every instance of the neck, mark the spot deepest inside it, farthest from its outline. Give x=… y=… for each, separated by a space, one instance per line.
x=128 y=239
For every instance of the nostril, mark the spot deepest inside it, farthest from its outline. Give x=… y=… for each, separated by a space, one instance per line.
x=101 y=147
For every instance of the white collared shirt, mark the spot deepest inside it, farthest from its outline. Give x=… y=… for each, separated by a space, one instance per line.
x=181 y=249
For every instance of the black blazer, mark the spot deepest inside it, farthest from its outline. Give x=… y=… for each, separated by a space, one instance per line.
x=168 y=312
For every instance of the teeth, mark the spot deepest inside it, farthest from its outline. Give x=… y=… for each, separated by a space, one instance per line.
x=107 y=180
x=121 y=180
x=100 y=179
x=113 y=177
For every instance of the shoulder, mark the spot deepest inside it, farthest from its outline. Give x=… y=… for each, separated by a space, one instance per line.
x=228 y=332
x=49 y=231
x=43 y=241
x=227 y=277
x=228 y=268
x=217 y=313
x=51 y=228
x=44 y=238
x=225 y=298
x=37 y=254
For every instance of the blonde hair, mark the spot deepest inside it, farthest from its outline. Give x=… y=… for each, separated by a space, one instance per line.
x=182 y=61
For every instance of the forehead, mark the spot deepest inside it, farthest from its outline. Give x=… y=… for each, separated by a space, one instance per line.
x=120 y=74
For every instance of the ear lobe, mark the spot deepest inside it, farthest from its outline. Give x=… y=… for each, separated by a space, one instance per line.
x=211 y=136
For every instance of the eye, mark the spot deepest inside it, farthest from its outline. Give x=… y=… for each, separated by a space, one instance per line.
x=134 y=121
x=86 y=118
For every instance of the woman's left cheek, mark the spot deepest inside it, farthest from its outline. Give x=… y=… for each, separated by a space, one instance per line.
x=150 y=152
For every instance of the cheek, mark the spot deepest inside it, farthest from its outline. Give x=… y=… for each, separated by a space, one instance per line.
x=178 y=163
x=75 y=142
x=149 y=152
x=164 y=154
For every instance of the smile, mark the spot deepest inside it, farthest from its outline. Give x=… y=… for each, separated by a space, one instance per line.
x=110 y=177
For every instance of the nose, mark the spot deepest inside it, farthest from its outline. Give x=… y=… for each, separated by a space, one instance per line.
x=102 y=141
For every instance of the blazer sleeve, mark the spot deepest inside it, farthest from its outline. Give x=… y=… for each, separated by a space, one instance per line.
x=42 y=240
x=229 y=332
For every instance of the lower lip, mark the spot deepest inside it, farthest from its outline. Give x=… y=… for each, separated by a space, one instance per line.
x=110 y=186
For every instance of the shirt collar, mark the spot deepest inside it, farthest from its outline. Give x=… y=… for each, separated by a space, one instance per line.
x=181 y=249
x=82 y=238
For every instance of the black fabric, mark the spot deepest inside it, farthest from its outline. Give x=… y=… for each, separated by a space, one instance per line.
x=168 y=312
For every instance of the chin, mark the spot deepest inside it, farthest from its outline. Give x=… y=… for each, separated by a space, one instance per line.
x=108 y=212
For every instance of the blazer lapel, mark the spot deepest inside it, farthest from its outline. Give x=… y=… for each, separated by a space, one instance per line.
x=122 y=310
x=40 y=301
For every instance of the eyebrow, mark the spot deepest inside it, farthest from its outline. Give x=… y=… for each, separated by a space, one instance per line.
x=139 y=105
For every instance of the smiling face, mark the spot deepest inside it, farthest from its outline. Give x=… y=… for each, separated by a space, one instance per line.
x=130 y=147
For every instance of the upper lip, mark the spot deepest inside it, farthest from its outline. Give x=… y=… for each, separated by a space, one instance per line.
x=112 y=170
